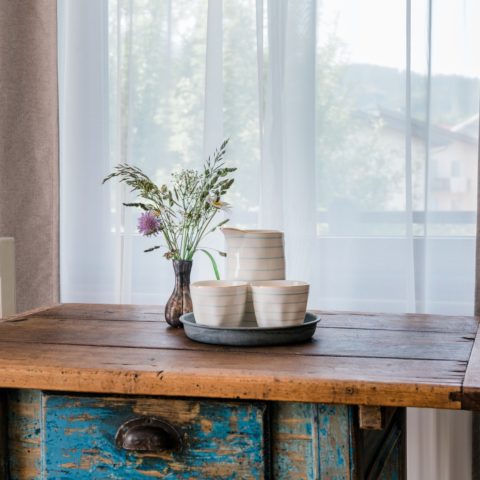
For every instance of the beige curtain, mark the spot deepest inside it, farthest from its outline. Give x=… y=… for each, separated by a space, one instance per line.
x=29 y=146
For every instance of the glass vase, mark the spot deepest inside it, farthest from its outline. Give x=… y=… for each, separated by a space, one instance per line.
x=180 y=301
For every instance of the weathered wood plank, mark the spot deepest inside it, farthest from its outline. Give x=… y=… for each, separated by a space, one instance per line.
x=24 y=435
x=126 y=348
x=312 y=442
x=34 y=311
x=320 y=379
x=222 y=440
x=371 y=417
x=327 y=341
x=294 y=438
x=408 y=322
x=355 y=320
x=336 y=442
x=99 y=311
x=470 y=396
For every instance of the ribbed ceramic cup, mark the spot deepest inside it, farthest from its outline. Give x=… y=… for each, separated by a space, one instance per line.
x=219 y=303
x=254 y=255
x=280 y=302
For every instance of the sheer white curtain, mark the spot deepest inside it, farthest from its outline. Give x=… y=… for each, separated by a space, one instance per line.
x=354 y=125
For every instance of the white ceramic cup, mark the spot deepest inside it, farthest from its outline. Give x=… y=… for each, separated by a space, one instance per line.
x=280 y=303
x=219 y=303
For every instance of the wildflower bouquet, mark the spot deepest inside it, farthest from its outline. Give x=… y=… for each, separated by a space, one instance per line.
x=182 y=212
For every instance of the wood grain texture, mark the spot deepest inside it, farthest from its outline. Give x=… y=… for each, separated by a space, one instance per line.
x=24 y=435
x=230 y=375
x=25 y=314
x=370 y=321
x=327 y=341
x=221 y=440
x=294 y=438
x=336 y=442
x=98 y=311
x=470 y=396
x=312 y=442
x=371 y=417
x=353 y=359
x=58 y=436
x=413 y=322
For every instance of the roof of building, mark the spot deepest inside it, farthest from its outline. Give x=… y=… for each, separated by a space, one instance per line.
x=440 y=135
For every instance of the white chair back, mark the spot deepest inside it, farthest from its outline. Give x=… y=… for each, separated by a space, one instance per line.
x=7 y=277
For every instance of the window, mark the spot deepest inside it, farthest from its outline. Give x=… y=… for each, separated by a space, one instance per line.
x=354 y=125
x=363 y=148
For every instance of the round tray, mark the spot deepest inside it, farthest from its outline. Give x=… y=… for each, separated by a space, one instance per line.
x=250 y=336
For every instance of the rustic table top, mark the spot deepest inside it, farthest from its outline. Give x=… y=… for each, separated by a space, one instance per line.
x=367 y=359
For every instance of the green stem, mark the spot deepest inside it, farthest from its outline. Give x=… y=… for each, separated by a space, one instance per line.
x=214 y=263
x=199 y=236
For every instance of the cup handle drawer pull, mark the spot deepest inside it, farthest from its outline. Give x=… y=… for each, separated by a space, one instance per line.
x=147 y=434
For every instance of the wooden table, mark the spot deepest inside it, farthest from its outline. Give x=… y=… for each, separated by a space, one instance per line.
x=277 y=412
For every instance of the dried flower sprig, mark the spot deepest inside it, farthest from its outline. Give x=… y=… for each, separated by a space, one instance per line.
x=183 y=211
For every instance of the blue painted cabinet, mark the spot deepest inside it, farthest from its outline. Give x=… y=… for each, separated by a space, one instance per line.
x=61 y=436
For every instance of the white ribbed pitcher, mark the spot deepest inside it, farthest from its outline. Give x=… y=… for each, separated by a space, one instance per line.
x=254 y=255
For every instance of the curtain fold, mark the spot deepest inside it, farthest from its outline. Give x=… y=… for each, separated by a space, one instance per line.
x=29 y=146
x=288 y=148
x=213 y=108
x=85 y=133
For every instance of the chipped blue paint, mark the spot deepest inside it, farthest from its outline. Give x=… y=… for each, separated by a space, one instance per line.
x=311 y=441
x=80 y=435
x=294 y=441
x=317 y=442
x=334 y=433
x=62 y=437
x=25 y=434
x=340 y=457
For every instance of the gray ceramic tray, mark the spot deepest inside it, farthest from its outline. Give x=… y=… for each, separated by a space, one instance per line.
x=250 y=336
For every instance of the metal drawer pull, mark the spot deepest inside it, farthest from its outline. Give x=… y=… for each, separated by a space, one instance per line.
x=147 y=434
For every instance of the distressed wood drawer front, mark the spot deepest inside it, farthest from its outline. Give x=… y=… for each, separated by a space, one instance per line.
x=222 y=440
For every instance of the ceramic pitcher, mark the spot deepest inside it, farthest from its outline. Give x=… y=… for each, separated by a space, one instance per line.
x=254 y=255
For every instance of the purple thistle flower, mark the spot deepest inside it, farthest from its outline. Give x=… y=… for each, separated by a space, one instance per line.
x=149 y=224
